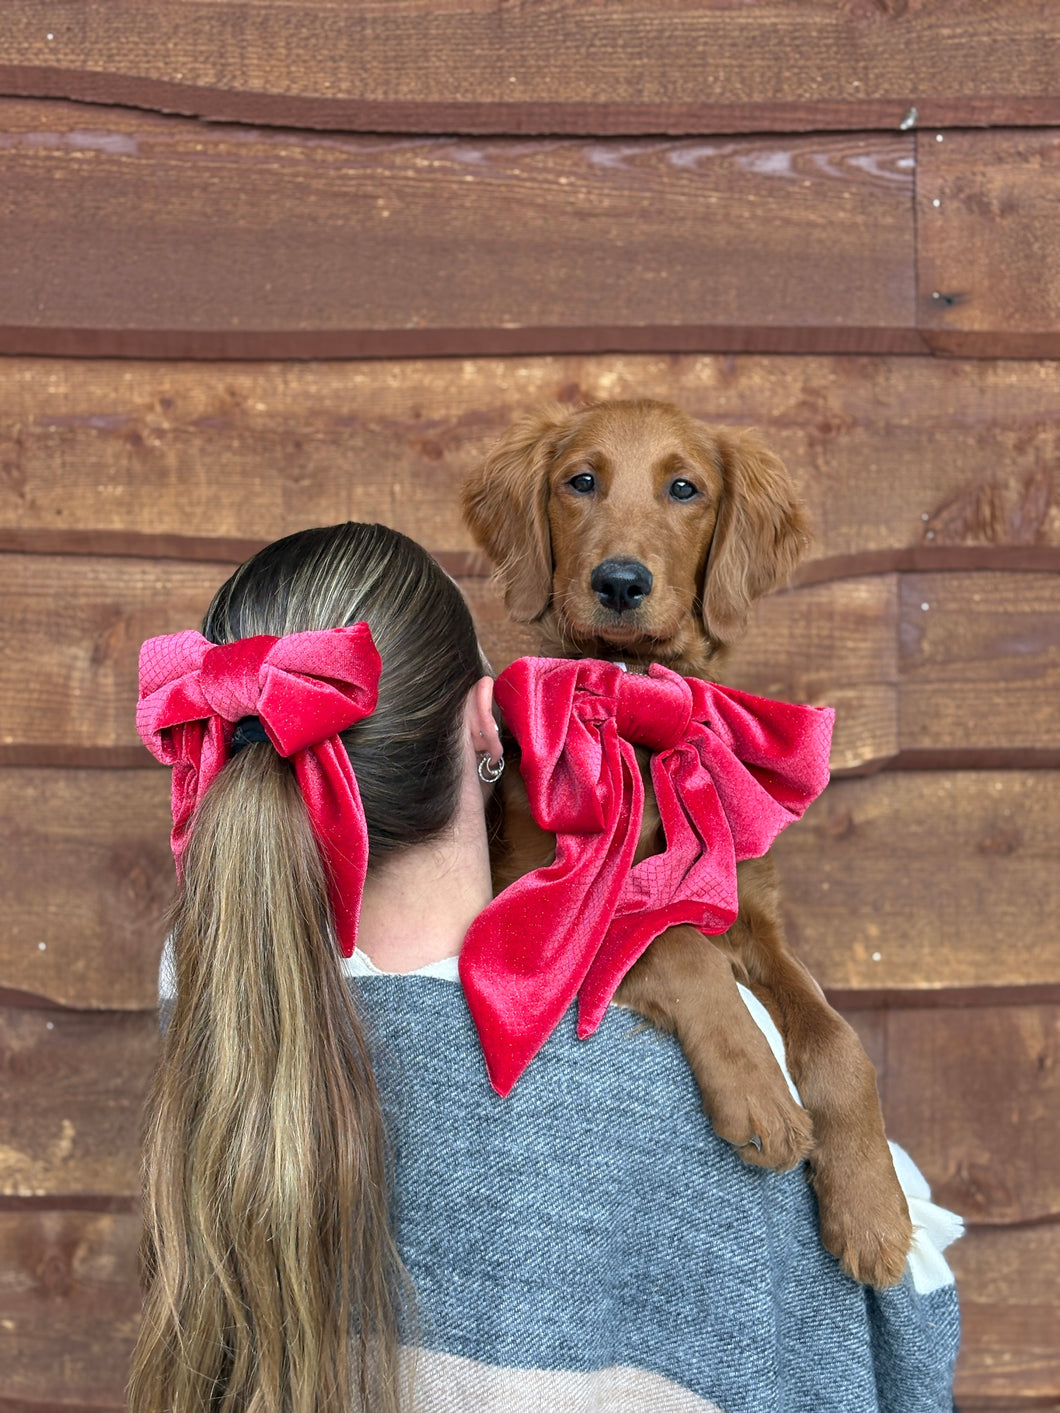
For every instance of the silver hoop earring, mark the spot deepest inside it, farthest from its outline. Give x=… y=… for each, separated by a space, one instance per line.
x=489 y=772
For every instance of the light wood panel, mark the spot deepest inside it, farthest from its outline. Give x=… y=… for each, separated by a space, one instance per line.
x=700 y=65
x=967 y=1090
x=86 y=874
x=921 y=668
x=976 y=651
x=988 y=207
x=831 y=645
x=896 y=458
x=69 y=1302
x=973 y=1093
x=73 y=630
x=135 y=234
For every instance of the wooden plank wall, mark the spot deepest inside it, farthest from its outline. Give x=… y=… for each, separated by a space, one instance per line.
x=267 y=265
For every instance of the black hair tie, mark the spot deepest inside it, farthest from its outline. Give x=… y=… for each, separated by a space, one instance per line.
x=248 y=731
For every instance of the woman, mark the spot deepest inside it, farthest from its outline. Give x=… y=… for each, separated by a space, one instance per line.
x=585 y=1243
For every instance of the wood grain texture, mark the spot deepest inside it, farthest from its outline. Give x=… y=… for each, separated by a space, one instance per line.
x=74 y=626
x=86 y=874
x=978 y=652
x=898 y=459
x=464 y=66
x=835 y=645
x=74 y=1087
x=973 y=1094
x=908 y=887
x=69 y=1300
x=968 y=1091
x=918 y=881
x=921 y=668
x=77 y=636
x=1010 y=1310
x=69 y=1306
x=135 y=234
x=988 y=241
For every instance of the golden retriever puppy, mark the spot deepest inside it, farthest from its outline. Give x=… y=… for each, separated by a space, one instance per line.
x=631 y=531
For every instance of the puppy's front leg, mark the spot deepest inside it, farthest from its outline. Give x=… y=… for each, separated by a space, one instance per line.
x=685 y=986
x=863 y=1211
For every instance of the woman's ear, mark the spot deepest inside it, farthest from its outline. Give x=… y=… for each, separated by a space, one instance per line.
x=506 y=508
x=760 y=535
x=483 y=731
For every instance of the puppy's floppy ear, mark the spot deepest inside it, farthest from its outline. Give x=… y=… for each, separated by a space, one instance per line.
x=760 y=535
x=506 y=508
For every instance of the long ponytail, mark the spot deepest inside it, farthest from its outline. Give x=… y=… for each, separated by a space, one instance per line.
x=273 y=1280
x=273 y=1284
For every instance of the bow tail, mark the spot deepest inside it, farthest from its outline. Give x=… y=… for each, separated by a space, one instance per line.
x=333 y=803
x=197 y=750
x=547 y=926
x=693 y=882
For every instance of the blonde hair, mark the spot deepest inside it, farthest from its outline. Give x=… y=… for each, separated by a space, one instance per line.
x=272 y=1282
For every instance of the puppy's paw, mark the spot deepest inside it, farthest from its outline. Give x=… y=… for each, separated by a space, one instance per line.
x=865 y=1222
x=765 y=1126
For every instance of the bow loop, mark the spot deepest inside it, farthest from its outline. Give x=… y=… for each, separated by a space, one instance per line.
x=170 y=690
x=560 y=706
x=317 y=685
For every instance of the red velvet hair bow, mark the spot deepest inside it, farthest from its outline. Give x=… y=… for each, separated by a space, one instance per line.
x=729 y=771
x=305 y=688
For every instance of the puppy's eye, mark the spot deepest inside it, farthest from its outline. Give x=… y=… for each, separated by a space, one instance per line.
x=584 y=483
x=683 y=490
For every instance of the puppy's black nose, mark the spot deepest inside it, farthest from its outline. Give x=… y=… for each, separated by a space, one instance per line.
x=621 y=584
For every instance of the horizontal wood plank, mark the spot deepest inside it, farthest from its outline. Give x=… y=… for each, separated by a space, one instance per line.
x=977 y=652
x=85 y=873
x=988 y=252
x=923 y=881
x=464 y=66
x=831 y=644
x=902 y=686
x=66 y=1277
x=970 y=1093
x=69 y=1307
x=136 y=234
x=75 y=639
x=1010 y=1311
x=922 y=668
x=907 y=887
x=967 y=1091
x=69 y=1302
x=899 y=460
x=74 y=1088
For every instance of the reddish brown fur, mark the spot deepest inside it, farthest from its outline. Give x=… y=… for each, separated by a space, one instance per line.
x=710 y=557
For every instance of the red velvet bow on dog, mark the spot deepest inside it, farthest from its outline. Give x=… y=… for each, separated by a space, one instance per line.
x=305 y=689
x=729 y=771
